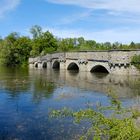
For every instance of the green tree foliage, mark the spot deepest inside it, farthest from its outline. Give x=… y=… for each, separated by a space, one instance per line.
x=132 y=45
x=8 y=53
x=1 y=42
x=136 y=61
x=23 y=48
x=1 y=39
x=42 y=42
x=90 y=44
x=49 y=42
x=107 y=45
x=36 y=31
x=66 y=44
x=16 y=49
x=137 y=46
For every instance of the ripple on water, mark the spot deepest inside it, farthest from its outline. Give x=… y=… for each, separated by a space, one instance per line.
x=26 y=97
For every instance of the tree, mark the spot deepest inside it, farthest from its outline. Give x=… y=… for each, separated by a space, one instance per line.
x=15 y=50
x=45 y=43
x=1 y=42
x=1 y=39
x=132 y=45
x=81 y=41
x=12 y=37
x=107 y=45
x=49 y=42
x=7 y=51
x=90 y=44
x=36 y=31
x=137 y=45
x=63 y=46
x=116 y=45
x=23 y=48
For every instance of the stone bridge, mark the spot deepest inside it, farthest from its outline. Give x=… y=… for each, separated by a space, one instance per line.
x=113 y=61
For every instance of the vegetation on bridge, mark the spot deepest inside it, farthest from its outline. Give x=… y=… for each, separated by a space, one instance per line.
x=16 y=49
x=136 y=61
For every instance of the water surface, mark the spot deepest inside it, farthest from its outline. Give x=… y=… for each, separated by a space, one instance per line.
x=27 y=96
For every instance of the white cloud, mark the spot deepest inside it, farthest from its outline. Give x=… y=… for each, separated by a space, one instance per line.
x=112 y=35
x=126 y=11
x=123 y=16
x=7 y=5
x=75 y=17
x=131 y=6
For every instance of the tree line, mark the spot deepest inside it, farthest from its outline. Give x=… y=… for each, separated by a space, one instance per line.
x=16 y=49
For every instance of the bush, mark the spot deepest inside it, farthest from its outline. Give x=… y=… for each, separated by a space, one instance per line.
x=136 y=61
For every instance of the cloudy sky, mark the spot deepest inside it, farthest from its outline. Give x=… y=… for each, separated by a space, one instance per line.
x=100 y=20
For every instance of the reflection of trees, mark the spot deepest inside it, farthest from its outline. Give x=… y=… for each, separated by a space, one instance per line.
x=42 y=88
x=16 y=87
x=17 y=81
x=123 y=86
x=14 y=80
x=135 y=86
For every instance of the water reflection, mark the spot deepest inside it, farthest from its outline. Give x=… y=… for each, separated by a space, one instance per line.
x=123 y=86
x=14 y=81
x=27 y=95
x=42 y=88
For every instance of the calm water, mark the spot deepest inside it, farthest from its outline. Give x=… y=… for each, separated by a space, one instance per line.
x=27 y=96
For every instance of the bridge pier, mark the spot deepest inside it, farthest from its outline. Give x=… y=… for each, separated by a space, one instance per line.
x=31 y=65
x=83 y=64
x=83 y=67
x=49 y=65
x=39 y=65
x=62 y=65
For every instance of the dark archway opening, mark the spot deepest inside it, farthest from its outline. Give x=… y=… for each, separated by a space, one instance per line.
x=36 y=65
x=99 y=69
x=44 y=65
x=73 y=66
x=56 y=65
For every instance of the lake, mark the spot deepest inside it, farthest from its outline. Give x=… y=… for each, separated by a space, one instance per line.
x=28 y=95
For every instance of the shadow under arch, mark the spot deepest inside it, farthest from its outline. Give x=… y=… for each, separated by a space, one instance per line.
x=44 y=66
x=36 y=65
x=56 y=65
x=73 y=66
x=99 y=69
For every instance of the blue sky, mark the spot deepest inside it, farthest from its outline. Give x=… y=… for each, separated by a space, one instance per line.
x=100 y=20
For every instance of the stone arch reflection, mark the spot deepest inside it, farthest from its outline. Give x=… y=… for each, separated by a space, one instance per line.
x=36 y=65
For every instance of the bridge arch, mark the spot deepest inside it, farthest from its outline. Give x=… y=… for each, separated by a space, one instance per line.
x=56 y=64
x=36 y=65
x=44 y=65
x=99 y=69
x=73 y=66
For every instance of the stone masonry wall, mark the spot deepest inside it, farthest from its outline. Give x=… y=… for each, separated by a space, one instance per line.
x=116 y=61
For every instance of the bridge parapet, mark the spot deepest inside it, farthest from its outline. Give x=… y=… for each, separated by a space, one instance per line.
x=122 y=57
x=118 y=61
x=33 y=60
x=117 y=57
